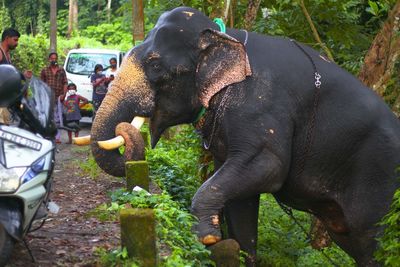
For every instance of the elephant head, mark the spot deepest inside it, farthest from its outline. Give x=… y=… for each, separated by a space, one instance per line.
x=183 y=62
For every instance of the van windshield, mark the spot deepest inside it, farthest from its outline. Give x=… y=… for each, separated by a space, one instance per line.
x=83 y=63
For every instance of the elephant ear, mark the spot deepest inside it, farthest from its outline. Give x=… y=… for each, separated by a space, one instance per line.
x=223 y=61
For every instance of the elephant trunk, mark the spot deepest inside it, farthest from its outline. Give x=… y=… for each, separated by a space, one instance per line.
x=129 y=96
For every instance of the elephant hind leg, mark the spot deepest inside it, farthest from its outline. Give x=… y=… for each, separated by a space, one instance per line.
x=360 y=245
x=358 y=240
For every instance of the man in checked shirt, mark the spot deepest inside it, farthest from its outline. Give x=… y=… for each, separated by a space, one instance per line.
x=56 y=79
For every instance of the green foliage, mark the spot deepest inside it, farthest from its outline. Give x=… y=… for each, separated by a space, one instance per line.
x=174 y=164
x=154 y=9
x=389 y=250
x=102 y=213
x=5 y=20
x=283 y=243
x=31 y=53
x=118 y=257
x=379 y=8
x=62 y=22
x=344 y=26
x=173 y=227
x=110 y=34
x=90 y=167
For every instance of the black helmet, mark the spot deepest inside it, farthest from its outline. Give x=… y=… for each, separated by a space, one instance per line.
x=11 y=85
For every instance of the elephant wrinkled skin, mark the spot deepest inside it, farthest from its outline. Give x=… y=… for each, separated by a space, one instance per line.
x=331 y=151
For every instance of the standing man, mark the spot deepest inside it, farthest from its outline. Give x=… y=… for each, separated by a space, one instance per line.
x=56 y=79
x=112 y=70
x=9 y=41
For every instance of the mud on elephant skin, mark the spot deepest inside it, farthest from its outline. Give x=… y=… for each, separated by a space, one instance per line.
x=330 y=150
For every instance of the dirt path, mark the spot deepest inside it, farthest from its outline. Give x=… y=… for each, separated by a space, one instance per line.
x=69 y=237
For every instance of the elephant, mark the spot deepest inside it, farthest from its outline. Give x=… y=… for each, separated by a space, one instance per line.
x=277 y=116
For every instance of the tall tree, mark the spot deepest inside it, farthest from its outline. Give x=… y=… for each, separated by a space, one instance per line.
x=251 y=13
x=381 y=67
x=137 y=21
x=53 y=25
x=109 y=11
x=72 y=17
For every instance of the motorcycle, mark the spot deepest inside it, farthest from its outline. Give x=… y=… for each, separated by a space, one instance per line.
x=27 y=153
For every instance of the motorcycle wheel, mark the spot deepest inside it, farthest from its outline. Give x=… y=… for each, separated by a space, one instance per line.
x=6 y=245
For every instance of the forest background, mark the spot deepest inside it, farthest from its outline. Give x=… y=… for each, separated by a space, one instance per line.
x=346 y=28
x=362 y=36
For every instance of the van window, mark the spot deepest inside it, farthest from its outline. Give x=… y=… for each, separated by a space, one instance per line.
x=83 y=63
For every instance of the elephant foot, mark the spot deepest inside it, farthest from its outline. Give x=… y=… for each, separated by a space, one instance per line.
x=208 y=230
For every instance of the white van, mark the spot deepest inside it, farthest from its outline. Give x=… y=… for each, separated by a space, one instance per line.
x=79 y=66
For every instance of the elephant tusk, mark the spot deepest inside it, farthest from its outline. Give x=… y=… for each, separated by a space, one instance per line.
x=137 y=122
x=81 y=141
x=118 y=141
x=111 y=144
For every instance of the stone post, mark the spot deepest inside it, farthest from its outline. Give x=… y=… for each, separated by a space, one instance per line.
x=137 y=174
x=226 y=253
x=138 y=235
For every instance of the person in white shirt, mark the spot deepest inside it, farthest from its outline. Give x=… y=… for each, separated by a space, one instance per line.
x=112 y=70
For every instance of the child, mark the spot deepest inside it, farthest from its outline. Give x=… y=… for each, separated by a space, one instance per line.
x=72 y=103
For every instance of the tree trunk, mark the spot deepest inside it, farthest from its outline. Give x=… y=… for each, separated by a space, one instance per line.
x=75 y=16
x=382 y=63
x=231 y=17
x=109 y=11
x=251 y=13
x=137 y=21
x=53 y=25
x=72 y=17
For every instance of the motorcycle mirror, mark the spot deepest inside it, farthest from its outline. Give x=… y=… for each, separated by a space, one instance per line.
x=11 y=85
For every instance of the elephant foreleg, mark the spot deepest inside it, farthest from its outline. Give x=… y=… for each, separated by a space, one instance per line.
x=242 y=220
x=239 y=177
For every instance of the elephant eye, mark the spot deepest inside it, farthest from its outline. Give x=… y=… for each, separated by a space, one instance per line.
x=156 y=67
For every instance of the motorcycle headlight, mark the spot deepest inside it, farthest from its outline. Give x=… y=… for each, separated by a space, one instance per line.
x=34 y=170
x=9 y=178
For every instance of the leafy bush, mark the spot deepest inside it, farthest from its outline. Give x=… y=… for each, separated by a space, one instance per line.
x=109 y=34
x=174 y=164
x=283 y=243
x=389 y=250
x=31 y=53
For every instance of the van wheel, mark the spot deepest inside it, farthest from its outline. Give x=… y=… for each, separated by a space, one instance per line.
x=6 y=245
